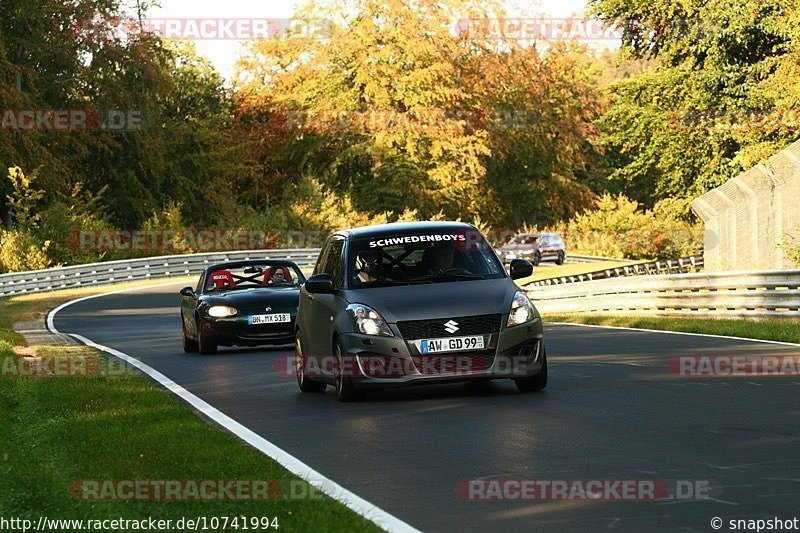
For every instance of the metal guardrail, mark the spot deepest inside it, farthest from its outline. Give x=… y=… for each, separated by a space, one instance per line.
x=572 y=258
x=138 y=269
x=669 y=266
x=745 y=293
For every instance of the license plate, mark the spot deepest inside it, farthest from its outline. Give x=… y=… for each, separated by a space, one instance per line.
x=274 y=318
x=451 y=344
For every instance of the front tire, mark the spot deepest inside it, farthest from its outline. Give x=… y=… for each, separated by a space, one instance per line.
x=561 y=257
x=189 y=345
x=345 y=391
x=534 y=383
x=305 y=384
x=205 y=346
x=537 y=258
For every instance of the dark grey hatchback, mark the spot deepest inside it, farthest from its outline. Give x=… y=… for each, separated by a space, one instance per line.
x=413 y=303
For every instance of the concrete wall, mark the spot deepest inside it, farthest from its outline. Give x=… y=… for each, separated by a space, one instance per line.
x=746 y=217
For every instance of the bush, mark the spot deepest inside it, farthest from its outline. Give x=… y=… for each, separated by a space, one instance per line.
x=616 y=228
x=6 y=350
x=19 y=251
x=72 y=225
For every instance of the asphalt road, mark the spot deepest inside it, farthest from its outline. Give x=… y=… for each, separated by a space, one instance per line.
x=611 y=412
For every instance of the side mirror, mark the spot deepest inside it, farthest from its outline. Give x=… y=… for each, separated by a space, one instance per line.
x=187 y=291
x=320 y=284
x=520 y=268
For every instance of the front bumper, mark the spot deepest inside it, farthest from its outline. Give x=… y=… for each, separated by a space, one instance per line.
x=385 y=362
x=236 y=331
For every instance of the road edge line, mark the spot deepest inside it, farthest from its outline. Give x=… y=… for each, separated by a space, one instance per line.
x=783 y=343
x=325 y=485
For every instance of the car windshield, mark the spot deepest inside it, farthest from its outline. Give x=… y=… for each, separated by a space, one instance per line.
x=424 y=258
x=264 y=275
x=524 y=239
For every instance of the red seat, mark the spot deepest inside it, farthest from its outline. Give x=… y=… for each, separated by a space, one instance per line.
x=287 y=277
x=221 y=279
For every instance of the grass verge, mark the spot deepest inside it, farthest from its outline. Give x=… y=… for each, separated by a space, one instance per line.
x=773 y=329
x=117 y=425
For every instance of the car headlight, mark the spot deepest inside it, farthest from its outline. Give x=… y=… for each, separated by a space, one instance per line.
x=221 y=311
x=522 y=310
x=368 y=321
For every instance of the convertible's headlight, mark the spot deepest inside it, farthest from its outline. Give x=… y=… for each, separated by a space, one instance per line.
x=368 y=321
x=221 y=311
x=522 y=310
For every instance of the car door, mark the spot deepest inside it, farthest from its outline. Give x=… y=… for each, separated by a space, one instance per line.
x=188 y=306
x=544 y=246
x=317 y=310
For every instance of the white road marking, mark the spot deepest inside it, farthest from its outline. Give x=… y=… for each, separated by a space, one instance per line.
x=674 y=333
x=327 y=486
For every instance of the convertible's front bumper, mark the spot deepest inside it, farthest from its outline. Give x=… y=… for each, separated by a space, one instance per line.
x=237 y=332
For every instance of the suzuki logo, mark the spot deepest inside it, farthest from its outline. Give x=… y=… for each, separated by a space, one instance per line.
x=268 y=309
x=451 y=326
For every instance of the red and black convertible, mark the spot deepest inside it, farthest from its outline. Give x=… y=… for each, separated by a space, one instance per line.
x=241 y=303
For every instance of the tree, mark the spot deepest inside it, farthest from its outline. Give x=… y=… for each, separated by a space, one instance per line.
x=713 y=103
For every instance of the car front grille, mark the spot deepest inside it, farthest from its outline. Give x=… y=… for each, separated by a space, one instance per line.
x=467 y=325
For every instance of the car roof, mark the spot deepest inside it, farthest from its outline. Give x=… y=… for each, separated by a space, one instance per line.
x=403 y=228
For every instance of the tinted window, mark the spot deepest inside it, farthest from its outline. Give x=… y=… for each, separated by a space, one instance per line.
x=323 y=255
x=333 y=262
x=524 y=239
x=200 y=282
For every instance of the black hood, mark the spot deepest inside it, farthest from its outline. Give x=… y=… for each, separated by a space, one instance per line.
x=257 y=299
x=437 y=300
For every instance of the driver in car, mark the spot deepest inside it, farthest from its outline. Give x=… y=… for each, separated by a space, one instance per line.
x=278 y=277
x=438 y=259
